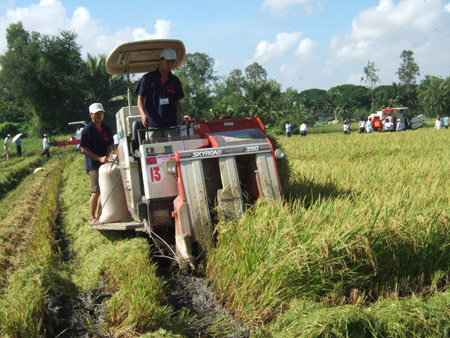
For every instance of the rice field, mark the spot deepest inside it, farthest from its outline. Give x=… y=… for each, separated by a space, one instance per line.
x=361 y=247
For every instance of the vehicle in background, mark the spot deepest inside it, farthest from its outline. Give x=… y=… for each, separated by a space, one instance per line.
x=395 y=115
x=75 y=138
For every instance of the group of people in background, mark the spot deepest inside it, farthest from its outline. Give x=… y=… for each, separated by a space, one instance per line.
x=18 y=143
x=303 y=129
x=438 y=124
x=367 y=126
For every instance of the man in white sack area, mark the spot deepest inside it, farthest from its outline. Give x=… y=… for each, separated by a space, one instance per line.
x=96 y=141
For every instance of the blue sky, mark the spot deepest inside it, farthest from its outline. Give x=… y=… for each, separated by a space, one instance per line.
x=301 y=43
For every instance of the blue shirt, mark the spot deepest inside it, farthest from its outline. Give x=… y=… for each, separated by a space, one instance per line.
x=96 y=141
x=152 y=89
x=18 y=142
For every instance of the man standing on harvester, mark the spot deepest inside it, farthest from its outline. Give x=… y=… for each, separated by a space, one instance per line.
x=159 y=94
x=95 y=144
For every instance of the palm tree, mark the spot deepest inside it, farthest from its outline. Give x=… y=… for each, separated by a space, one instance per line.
x=102 y=87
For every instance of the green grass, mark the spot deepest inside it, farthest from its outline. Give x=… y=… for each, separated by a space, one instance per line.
x=16 y=169
x=367 y=223
x=33 y=268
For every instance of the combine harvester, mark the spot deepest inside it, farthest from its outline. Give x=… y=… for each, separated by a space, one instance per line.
x=177 y=185
x=76 y=137
x=394 y=115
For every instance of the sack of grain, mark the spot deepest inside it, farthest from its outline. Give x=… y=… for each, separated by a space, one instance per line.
x=114 y=204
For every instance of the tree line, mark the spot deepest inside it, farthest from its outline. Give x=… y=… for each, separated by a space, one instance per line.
x=45 y=83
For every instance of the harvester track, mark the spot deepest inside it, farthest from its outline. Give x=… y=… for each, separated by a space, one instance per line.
x=191 y=293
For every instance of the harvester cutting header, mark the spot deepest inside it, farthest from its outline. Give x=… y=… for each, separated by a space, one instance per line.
x=177 y=184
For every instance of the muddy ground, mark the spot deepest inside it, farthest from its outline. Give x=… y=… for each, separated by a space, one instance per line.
x=192 y=293
x=84 y=315
x=81 y=316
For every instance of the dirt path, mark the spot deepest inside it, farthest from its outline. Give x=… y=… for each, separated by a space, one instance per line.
x=191 y=293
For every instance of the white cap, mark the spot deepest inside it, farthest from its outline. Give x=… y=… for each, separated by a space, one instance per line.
x=95 y=107
x=168 y=54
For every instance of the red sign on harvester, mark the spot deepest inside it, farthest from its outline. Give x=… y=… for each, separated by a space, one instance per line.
x=150 y=160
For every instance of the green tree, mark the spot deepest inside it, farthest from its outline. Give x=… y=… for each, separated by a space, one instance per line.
x=434 y=95
x=315 y=100
x=346 y=101
x=110 y=90
x=60 y=76
x=385 y=96
x=197 y=77
x=255 y=73
x=407 y=74
x=300 y=107
x=17 y=71
x=409 y=70
x=262 y=95
x=249 y=94
x=371 y=78
x=11 y=110
x=46 y=74
x=229 y=99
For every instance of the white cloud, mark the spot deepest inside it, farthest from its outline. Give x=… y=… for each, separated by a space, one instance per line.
x=50 y=17
x=162 y=31
x=447 y=8
x=385 y=6
x=379 y=34
x=280 y=7
x=305 y=48
x=266 y=51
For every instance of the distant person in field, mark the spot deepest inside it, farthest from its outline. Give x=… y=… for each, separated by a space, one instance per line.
x=362 y=125
x=400 y=125
x=19 y=147
x=303 y=129
x=369 y=128
x=389 y=124
x=96 y=141
x=46 y=151
x=6 y=146
x=438 y=123
x=446 y=121
x=347 y=129
x=288 y=127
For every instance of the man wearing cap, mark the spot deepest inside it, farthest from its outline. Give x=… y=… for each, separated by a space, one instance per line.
x=159 y=93
x=95 y=144
x=45 y=146
x=6 y=146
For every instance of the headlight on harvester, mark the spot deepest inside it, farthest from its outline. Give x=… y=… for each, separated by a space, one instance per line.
x=171 y=167
x=280 y=154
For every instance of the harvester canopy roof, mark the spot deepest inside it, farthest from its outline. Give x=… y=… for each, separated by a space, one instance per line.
x=388 y=110
x=142 y=56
